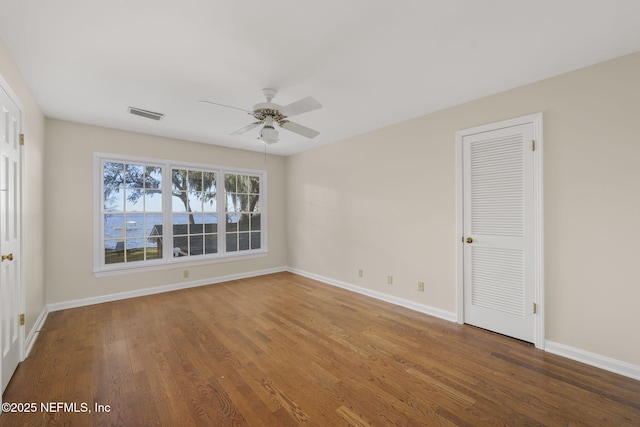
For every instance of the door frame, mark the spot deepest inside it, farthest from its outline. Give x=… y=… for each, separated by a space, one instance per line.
x=21 y=268
x=538 y=263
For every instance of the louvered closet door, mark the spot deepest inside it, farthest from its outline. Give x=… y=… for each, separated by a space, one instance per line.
x=498 y=217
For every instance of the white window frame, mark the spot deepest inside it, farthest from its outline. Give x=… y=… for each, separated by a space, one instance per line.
x=168 y=260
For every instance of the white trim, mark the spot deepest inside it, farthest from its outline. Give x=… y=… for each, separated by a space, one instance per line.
x=177 y=264
x=56 y=306
x=592 y=359
x=536 y=120
x=425 y=309
x=33 y=334
x=5 y=85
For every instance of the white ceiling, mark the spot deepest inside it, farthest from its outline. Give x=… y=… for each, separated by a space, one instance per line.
x=370 y=63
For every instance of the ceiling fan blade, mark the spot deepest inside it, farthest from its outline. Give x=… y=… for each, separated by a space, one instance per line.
x=222 y=105
x=299 y=129
x=304 y=105
x=247 y=128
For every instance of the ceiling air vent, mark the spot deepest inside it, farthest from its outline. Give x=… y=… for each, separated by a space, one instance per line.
x=145 y=113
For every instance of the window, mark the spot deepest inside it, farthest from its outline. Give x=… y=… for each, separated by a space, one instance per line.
x=242 y=206
x=132 y=207
x=194 y=214
x=206 y=213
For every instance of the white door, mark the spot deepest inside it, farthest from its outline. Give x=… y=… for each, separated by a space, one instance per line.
x=10 y=185
x=499 y=232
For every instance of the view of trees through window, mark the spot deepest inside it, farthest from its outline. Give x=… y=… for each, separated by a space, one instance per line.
x=133 y=208
x=242 y=212
x=134 y=212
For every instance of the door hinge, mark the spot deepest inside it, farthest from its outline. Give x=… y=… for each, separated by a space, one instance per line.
x=533 y=145
x=22 y=319
x=535 y=308
x=22 y=139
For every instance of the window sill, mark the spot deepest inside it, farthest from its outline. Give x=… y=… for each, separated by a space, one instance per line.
x=175 y=264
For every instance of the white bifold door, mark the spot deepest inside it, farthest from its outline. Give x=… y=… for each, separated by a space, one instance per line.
x=498 y=230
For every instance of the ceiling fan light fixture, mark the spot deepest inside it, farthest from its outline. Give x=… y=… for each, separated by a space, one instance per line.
x=269 y=135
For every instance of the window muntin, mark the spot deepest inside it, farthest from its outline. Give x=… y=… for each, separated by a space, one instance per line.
x=205 y=212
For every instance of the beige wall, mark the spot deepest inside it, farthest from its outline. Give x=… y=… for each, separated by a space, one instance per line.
x=33 y=191
x=69 y=207
x=384 y=202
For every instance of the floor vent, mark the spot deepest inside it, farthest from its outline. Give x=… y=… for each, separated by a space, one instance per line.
x=145 y=113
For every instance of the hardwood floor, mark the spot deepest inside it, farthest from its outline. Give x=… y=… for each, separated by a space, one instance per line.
x=283 y=350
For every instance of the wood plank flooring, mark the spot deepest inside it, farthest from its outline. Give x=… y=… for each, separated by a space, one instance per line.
x=283 y=350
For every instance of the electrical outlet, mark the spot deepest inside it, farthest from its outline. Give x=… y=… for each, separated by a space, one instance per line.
x=421 y=286
x=185 y=274
x=360 y=273
x=390 y=280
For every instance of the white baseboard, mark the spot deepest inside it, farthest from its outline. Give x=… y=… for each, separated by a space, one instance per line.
x=599 y=361
x=33 y=334
x=432 y=311
x=158 y=289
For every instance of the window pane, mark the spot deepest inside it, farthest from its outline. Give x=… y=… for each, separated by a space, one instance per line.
x=255 y=240
x=196 y=226
x=255 y=185
x=230 y=183
x=254 y=203
x=113 y=200
x=231 y=202
x=179 y=179
x=232 y=242
x=113 y=251
x=134 y=250
x=134 y=176
x=194 y=182
x=243 y=241
x=134 y=225
x=242 y=203
x=153 y=223
x=243 y=223
x=232 y=222
x=243 y=184
x=153 y=177
x=209 y=182
x=180 y=246
x=195 y=201
x=113 y=174
x=255 y=222
x=153 y=251
x=210 y=203
x=211 y=223
x=134 y=200
x=153 y=201
x=195 y=245
x=113 y=226
x=179 y=201
x=211 y=244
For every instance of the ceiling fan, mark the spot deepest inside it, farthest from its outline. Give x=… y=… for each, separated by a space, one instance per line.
x=270 y=114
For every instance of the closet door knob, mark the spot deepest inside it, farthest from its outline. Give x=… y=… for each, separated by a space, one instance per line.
x=469 y=240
